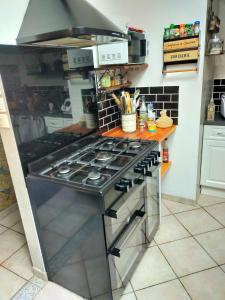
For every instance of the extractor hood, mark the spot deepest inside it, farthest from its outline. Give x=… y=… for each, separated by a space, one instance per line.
x=66 y=23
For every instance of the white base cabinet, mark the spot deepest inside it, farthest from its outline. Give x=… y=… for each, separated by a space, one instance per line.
x=213 y=157
x=53 y=123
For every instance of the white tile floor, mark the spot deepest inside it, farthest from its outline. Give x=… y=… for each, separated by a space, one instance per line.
x=185 y=261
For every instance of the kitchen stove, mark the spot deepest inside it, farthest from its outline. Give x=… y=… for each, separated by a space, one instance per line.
x=97 y=163
x=46 y=144
x=96 y=206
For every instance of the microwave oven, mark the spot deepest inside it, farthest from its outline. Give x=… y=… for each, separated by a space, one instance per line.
x=133 y=51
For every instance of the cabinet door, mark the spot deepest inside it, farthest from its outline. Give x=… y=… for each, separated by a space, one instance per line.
x=213 y=164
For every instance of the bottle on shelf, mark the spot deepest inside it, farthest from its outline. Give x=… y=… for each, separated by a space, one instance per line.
x=165 y=151
x=143 y=113
x=151 y=118
x=211 y=111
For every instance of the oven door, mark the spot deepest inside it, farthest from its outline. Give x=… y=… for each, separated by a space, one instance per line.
x=119 y=213
x=153 y=200
x=128 y=249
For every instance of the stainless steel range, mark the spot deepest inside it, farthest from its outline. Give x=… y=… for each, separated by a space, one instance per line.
x=96 y=205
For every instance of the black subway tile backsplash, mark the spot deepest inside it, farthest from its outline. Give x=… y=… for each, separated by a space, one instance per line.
x=171 y=89
x=170 y=105
x=150 y=98
x=158 y=105
x=156 y=90
x=217 y=82
x=144 y=90
x=218 y=90
x=162 y=97
x=174 y=97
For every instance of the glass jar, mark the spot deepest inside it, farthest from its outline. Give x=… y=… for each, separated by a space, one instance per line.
x=182 y=30
x=166 y=34
x=215 y=45
x=172 y=27
x=197 y=27
x=176 y=31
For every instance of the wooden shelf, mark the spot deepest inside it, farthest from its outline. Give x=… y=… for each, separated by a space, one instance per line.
x=127 y=67
x=114 y=88
x=165 y=167
x=208 y=54
x=160 y=135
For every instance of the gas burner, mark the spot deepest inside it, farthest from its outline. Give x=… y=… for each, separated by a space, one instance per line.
x=135 y=145
x=97 y=181
x=94 y=175
x=103 y=156
x=64 y=170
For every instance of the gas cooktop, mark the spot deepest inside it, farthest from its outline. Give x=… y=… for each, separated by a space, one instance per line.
x=95 y=162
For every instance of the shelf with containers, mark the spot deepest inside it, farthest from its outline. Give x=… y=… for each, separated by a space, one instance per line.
x=110 y=78
x=181 y=48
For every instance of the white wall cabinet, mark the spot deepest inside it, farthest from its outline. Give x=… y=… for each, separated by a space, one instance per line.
x=213 y=157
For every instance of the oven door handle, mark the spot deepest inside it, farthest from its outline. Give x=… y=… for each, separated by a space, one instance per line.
x=112 y=211
x=127 y=232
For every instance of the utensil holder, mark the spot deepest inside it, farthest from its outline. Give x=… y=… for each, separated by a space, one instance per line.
x=129 y=122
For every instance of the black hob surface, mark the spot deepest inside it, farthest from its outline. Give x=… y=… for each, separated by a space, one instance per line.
x=96 y=162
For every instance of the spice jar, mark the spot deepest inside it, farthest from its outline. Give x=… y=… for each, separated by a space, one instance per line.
x=182 y=30
x=196 y=27
x=166 y=33
x=176 y=32
x=172 y=27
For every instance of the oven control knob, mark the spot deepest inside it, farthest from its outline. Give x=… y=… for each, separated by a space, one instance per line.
x=140 y=168
x=147 y=162
x=121 y=187
x=137 y=169
x=156 y=154
x=152 y=159
x=128 y=182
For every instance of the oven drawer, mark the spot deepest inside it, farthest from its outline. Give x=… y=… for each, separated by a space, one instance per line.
x=128 y=250
x=119 y=214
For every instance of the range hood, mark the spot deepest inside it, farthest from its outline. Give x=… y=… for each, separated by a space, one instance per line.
x=66 y=23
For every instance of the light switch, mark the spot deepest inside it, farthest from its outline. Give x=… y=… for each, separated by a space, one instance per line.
x=4 y=121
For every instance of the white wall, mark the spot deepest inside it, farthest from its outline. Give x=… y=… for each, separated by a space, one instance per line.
x=153 y=16
x=220 y=59
x=11 y=16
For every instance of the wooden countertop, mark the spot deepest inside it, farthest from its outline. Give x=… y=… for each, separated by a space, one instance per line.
x=160 y=135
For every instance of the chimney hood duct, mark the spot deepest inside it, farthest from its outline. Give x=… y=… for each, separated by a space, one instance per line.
x=66 y=23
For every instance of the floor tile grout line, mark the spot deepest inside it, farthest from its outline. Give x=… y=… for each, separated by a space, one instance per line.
x=201 y=245
x=9 y=228
x=25 y=243
x=223 y=202
x=14 y=273
x=196 y=272
x=213 y=217
x=150 y=286
x=173 y=271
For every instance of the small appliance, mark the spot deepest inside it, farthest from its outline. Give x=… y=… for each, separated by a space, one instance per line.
x=222 y=107
x=66 y=107
x=132 y=52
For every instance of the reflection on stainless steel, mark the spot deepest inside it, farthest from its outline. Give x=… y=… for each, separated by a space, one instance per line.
x=109 y=212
